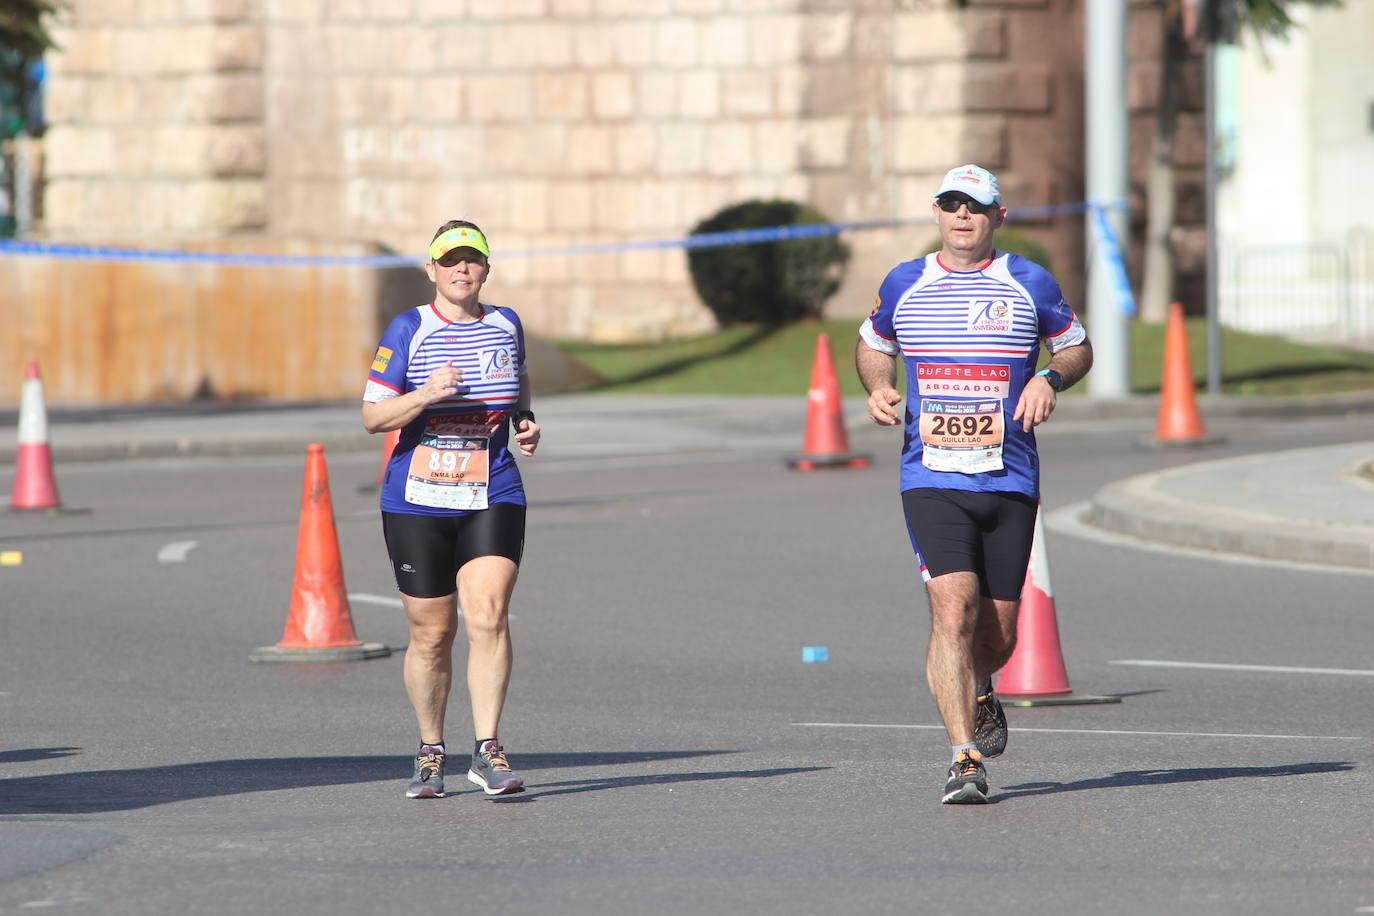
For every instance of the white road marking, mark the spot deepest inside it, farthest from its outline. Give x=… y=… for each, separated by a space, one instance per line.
x=59 y=900
x=1095 y=731
x=176 y=551
x=1218 y=666
x=1069 y=520
x=383 y=600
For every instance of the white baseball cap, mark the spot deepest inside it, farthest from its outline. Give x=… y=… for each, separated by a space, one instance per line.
x=975 y=181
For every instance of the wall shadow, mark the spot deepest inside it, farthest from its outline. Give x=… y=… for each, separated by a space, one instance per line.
x=24 y=755
x=570 y=786
x=96 y=791
x=1131 y=778
x=753 y=339
x=398 y=290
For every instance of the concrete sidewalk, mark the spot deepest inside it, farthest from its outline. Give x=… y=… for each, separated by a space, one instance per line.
x=1312 y=505
x=1317 y=504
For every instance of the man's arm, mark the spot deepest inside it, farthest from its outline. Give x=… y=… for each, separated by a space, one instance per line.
x=1038 y=398
x=878 y=374
x=1072 y=363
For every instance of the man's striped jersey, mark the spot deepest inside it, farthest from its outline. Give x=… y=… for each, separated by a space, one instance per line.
x=969 y=341
x=490 y=351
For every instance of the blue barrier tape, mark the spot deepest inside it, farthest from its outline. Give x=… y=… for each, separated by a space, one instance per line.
x=1121 y=283
x=12 y=248
x=99 y=253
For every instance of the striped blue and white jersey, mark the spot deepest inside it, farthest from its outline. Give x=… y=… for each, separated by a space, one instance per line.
x=969 y=341
x=454 y=458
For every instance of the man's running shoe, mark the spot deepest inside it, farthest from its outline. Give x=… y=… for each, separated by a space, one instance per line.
x=492 y=771
x=428 y=781
x=968 y=781
x=990 y=731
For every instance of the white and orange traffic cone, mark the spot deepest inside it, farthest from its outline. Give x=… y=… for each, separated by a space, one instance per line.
x=319 y=626
x=824 y=444
x=34 y=486
x=393 y=438
x=1035 y=674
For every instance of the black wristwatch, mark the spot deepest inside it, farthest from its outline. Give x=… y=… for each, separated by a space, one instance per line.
x=1054 y=378
x=519 y=415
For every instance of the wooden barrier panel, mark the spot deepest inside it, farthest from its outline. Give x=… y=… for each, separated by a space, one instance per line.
x=122 y=332
x=139 y=332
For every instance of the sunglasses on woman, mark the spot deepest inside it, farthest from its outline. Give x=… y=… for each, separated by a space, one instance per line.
x=951 y=203
x=454 y=255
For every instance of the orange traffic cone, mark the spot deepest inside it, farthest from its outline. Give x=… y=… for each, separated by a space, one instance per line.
x=1035 y=673
x=319 y=627
x=1179 y=422
x=34 y=487
x=825 y=443
x=388 y=449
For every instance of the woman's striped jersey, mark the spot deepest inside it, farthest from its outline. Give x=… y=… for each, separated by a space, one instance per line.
x=490 y=351
x=969 y=341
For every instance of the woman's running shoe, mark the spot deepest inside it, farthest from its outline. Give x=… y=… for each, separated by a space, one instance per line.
x=492 y=771
x=428 y=781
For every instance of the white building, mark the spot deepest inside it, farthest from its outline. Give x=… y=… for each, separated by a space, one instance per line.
x=1295 y=197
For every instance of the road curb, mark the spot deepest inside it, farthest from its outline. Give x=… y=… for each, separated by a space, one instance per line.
x=1138 y=506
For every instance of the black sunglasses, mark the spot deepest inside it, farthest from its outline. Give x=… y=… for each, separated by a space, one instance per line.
x=454 y=255
x=951 y=203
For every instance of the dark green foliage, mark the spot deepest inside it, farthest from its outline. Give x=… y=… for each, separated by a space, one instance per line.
x=769 y=283
x=1016 y=243
x=1266 y=18
x=22 y=28
x=23 y=40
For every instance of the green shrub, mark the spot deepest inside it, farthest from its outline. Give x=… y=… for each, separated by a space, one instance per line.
x=769 y=283
x=1014 y=242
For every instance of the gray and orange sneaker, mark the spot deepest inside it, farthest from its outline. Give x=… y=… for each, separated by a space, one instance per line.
x=968 y=781
x=990 y=729
x=492 y=771
x=428 y=781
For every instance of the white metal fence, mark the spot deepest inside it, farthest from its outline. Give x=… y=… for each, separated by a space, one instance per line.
x=1317 y=290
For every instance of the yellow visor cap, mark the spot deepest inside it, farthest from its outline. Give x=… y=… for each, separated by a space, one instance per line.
x=461 y=237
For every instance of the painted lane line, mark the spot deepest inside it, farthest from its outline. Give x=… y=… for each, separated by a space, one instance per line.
x=1219 y=666
x=59 y=900
x=176 y=551
x=383 y=600
x=1095 y=731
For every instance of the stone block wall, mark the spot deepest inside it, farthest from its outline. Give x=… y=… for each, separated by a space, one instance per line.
x=157 y=130
x=557 y=123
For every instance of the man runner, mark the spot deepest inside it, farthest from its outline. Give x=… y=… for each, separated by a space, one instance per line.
x=968 y=322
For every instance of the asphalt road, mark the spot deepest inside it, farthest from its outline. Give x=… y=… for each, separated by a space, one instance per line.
x=681 y=757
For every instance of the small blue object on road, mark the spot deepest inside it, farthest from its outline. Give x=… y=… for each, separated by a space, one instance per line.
x=815 y=654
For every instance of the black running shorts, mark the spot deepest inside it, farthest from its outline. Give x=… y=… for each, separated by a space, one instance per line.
x=427 y=551
x=984 y=533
